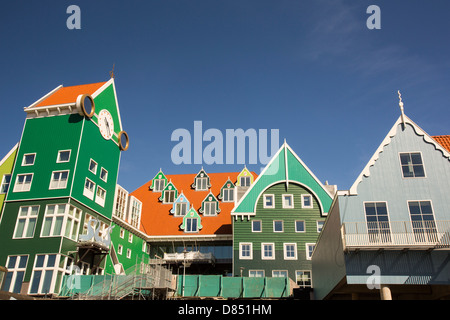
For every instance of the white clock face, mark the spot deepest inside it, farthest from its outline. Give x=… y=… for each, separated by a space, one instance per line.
x=106 y=124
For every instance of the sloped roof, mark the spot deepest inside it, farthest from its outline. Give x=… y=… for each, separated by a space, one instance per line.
x=67 y=95
x=156 y=219
x=443 y=141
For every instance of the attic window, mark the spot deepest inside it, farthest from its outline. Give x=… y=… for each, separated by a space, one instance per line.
x=412 y=165
x=159 y=185
x=201 y=182
x=245 y=181
x=169 y=196
x=227 y=192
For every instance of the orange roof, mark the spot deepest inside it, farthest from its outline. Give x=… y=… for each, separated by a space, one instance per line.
x=156 y=219
x=443 y=141
x=66 y=95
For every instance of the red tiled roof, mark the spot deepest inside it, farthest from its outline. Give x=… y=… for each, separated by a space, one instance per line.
x=69 y=94
x=443 y=141
x=156 y=219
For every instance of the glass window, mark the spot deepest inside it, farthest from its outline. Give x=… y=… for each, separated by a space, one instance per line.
x=377 y=218
x=245 y=251
x=104 y=174
x=63 y=156
x=93 y=166
x=28 y=159
x=256 y=226
x=288 y=201
x=320 y=225
x=267 y=251
x=5 y=183
x=180 y=209
x=210 y=208
x=280 y=273
x=299 y=226
x=412 y=165
x=26 y=222
x=309 y=250
x=159 y=185
x=59 y=179
x=269 y=201
x=256 y=273
x=422 y=219
x=201 y=184
x=100 y=196
x=307 y=201
x=245 y=181
x=53 y=220
x=191 y=225
x=169 y=196
x=228 y=195
x=23 y=182
x=44 y=274
x=16 y=270
x=303 y=278
x=277 y=226
x=290 y=251
x=89 y=187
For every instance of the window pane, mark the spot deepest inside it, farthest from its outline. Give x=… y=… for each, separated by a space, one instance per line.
x=18 y=282
x=40 y=261
x=12 y=262
x=47 y=281
x=47 y=226
x=20 y=228
x=58 y=226
x=35 y=282
x=31 y=225
x=23 y=261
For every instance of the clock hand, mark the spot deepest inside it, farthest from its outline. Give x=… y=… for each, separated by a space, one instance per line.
x=107 y=126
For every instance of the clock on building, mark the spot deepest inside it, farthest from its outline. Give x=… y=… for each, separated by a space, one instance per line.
x=105 y=124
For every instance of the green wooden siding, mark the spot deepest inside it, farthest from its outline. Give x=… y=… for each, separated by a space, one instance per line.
x=6 y=168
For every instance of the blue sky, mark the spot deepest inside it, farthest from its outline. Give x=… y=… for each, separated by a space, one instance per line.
x=311 y=69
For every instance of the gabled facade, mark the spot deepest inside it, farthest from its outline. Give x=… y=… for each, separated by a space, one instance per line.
x=389 y=234
x=278 y=220
x=58 y=210
x=190 y=212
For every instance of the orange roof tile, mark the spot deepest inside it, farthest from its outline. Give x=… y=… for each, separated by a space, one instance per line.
x=156 y=219
x=443 y=141
x=69 y=94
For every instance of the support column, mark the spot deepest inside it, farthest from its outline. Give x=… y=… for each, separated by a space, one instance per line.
x=385 y=293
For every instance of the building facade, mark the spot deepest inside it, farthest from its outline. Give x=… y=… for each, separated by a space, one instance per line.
x=388 y=235
x=278 y=220
x=58 y=210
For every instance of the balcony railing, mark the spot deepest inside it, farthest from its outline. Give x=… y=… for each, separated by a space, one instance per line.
x=396 y=235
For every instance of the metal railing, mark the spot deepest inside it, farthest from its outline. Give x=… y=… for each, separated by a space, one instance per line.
x=396 y=234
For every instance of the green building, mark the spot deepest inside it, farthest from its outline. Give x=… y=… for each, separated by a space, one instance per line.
x=57 y=214
x=278 y=220
x=6 y=167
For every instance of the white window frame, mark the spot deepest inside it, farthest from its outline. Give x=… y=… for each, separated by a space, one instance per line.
x=60 y=184
x=304 y=226
x=265 y=201
x=192 y=226
x=260 y=224
x=241 y=251
x=168 y=197
x=4 y=187
x=122 y=233
x=319 y=225
x=99 y=199
x=277 y=273
x=120 y=249
x=308 y=248
x=285 y=251
x=178 y=209
x=285 y=204
x=58 y=158
x=255 y=273
x=95 y=168
x=282 y=226
x=104 y=177
x=129 y=253
x=24 y=157
x=87 y=192
x=228 y=193
x=303 y=276
x=53 y=217
x=24 y=186
x=263 y=251
x=130 y=237
x=401 y=165
x=310 y=199
x=210 y=205
x=27 y=217
x=243 y=181
x=157 y=185
x=14 y=270
x=201 y=184
x=55 y=269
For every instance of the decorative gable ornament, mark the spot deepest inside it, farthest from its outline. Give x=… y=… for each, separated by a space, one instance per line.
x=159 y=182
x=192 y=222
x=210 y=205
x=201 y=181
x=169 y=193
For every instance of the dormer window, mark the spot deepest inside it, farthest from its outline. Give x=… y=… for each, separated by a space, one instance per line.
x=180 y=206
x=245 y=178
x=210 y=206
x=191 y=222
x=159 y=182
x=227 y=192
x=201 y=182
x=412 y=165
x=169 y=194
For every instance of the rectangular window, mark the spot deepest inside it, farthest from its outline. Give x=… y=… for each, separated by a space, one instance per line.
x=269 y=201
x=159 y=185
x=267 y=251
x=228 y=195
x=180 y=209
x=53 y=220
x=319 y=225
x=100 y=196
x=63 y=156
x=245 y=251
x=89 y=187
x=303 y=278
x=26 y=222
x=245 y=181
x=72 y=224
x=288 y=201
x=422 y=219
x=256 y=226
x=300 y=226
x=16 y=266
x=279 y=273
x=277 y=226
x=378 y=226
x=210 y=208
x=120 y=249
x=256 y=273
x=307 y=201
x=5 y=183
x=191 y=225
x=412 y=165
x=28 y=159
x=93 y=166
x=128 y=253
x=130 y=238
x=23 y=182
x=59 y=179
x=201 y=184
x=42 y=279
x=169 y=196
x=290 y=251
x=104 y=174
x=309 y=250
